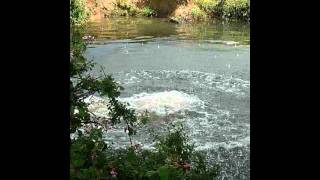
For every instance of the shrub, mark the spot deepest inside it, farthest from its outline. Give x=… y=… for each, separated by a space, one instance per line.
x=87 y=156
x=210 y=6
x=238 y=9
x=149 y=12
x=125 y=8
x=226 y=9
x=198 y=14
x=174 y=158
x=78 y=12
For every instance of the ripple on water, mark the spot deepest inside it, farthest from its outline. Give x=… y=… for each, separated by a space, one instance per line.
x=162 y=103
x=222 y=131
x=210 y=81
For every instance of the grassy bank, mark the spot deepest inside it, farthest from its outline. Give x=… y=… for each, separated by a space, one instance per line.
x=178 y=11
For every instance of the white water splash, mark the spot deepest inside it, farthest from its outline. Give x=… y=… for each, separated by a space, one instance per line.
x=98 y=106
x=210 y=81
x=227 y=145
x=161 y=103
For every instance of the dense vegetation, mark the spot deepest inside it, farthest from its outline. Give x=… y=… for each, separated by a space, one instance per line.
x=199 y=10
x=226 y=9
x=90 y=156
x=127 y=8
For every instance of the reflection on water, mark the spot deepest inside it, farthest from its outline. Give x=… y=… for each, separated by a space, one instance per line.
x=198 y=73
x=128 y=28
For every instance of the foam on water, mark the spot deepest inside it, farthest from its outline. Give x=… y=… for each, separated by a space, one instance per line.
x=97 y=105
x=227 y=145
x=202 y=125
x=212 y=107
x=212 y=81
x=162 y=103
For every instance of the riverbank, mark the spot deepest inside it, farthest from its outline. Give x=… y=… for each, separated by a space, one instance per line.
x=177 y=11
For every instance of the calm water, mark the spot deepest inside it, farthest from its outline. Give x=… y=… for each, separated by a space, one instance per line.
x=199 y=74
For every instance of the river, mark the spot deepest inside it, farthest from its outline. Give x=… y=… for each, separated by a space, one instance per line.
x=198 y=73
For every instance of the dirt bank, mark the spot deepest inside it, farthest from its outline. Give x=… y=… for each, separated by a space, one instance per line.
x=177 y=10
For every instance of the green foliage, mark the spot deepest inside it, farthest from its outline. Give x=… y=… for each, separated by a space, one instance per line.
x=226 y=9
x=88 y=150
x=175 y=145
x=87 y=156
x=135 y=163
x=124 y=8
x=148 y=11
x=83 y=85
x=78 y=12
x=92 y=158
x=145 y=117
x=211 y=6
x=238 y=9
x=198 y=14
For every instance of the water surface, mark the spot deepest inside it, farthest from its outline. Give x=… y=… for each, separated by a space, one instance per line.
x=199 y=74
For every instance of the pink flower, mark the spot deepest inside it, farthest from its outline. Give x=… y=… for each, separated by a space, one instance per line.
x=187 y=166
x=113 y=172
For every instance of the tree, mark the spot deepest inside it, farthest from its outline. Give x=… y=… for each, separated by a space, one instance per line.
x=88 y=149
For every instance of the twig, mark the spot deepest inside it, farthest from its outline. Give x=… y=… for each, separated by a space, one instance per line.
x=103 y=71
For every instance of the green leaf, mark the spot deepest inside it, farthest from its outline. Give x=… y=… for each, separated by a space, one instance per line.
x=151 y=174
x=78 y=162
x=164 y=173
